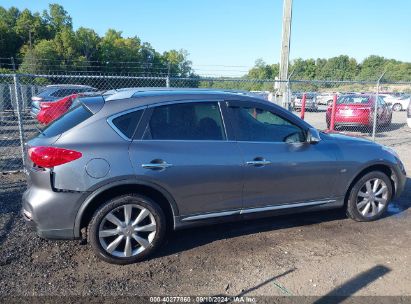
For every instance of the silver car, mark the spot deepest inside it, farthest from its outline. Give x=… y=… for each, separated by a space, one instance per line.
x=122 y=170
x=310 y=102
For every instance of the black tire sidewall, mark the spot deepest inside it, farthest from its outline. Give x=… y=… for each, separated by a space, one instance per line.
x=93 y=228
x=352 y=200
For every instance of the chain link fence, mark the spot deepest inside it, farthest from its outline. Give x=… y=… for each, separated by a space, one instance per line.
x=23 y=113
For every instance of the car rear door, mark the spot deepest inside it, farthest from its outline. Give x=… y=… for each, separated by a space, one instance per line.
x=183 y=148
x=280 y=166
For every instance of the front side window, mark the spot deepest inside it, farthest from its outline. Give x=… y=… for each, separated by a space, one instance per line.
x=186 y=121
x=254 y=124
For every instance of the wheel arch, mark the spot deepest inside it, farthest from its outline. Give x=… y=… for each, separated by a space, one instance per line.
x=108 y=191
x=381 y=167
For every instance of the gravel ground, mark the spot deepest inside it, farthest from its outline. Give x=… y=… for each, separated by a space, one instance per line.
x=309 y=254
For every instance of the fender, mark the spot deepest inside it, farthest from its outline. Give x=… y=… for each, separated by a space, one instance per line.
x=123 y=182
x=374 y=163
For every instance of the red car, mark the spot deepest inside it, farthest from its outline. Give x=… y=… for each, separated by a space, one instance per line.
x=50 y=111
x=358 y=110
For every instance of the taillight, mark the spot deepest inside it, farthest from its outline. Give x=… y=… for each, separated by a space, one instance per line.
x=48 y=157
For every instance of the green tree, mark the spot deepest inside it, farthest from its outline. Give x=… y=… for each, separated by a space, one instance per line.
x=372 y=67
x=87 y=42
x=33 y=61
x=31 y=27
x=9 y=40
x=261 y=70
x=57 y=18
x=177 y=63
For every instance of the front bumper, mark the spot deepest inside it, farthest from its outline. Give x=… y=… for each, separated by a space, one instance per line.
x=399 y=176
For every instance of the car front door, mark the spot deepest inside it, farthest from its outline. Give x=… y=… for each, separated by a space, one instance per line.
x=280 y=166
x=184 y=149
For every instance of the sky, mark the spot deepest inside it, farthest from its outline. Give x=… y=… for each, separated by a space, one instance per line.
x=227 y=36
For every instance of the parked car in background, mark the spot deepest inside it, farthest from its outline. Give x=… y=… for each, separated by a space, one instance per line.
x=262 y=94
x=50 y=111
x=125 y=169
x=325 y=98
x=310 y=103
x=398 y=102
x=358 y=110
x=409 y=115
x=52 y=93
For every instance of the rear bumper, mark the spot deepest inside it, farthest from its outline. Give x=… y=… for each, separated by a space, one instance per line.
x=51 y=214
x=352 y=124
x=310 y=106
x=50 y=234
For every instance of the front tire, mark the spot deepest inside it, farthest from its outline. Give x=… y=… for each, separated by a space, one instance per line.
x=369 y=197
x=127 y=229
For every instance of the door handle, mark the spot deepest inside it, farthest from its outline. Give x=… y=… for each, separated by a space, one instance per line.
x=157 y=165
x=257 y=162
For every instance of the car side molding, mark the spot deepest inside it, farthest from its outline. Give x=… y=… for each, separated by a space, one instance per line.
x=255 y=210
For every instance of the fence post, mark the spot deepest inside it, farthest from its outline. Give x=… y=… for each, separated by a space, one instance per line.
x=287 y=105
x=333 y=109
x=375 y=123
x=19 y=117
x=168 y=81
x=303 y=102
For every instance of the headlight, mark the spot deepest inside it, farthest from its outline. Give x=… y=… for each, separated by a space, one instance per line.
x=391 y=151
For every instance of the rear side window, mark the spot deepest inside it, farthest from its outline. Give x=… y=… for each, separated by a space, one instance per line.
x=128 y=123
x=353 y=100
x=186 y=121
x=69 y=120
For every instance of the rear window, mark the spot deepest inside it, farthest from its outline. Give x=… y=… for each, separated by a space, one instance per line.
x=353 y=100
x=69 y=120
x=128 y=123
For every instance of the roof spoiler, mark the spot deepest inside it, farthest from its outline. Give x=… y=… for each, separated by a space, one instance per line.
x=93 y=103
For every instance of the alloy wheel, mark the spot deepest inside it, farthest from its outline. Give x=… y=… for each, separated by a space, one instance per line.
x=372 y=197
x=127 y=230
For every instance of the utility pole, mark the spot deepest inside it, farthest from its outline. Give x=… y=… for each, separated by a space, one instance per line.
x=285 y=48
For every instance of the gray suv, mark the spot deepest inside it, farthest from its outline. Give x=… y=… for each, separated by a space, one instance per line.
x=123 y=169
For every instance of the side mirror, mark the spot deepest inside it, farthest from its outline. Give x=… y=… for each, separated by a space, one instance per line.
x=313 y=136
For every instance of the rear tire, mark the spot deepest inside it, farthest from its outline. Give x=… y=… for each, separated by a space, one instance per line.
x=369 y=197
x=127 y=229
